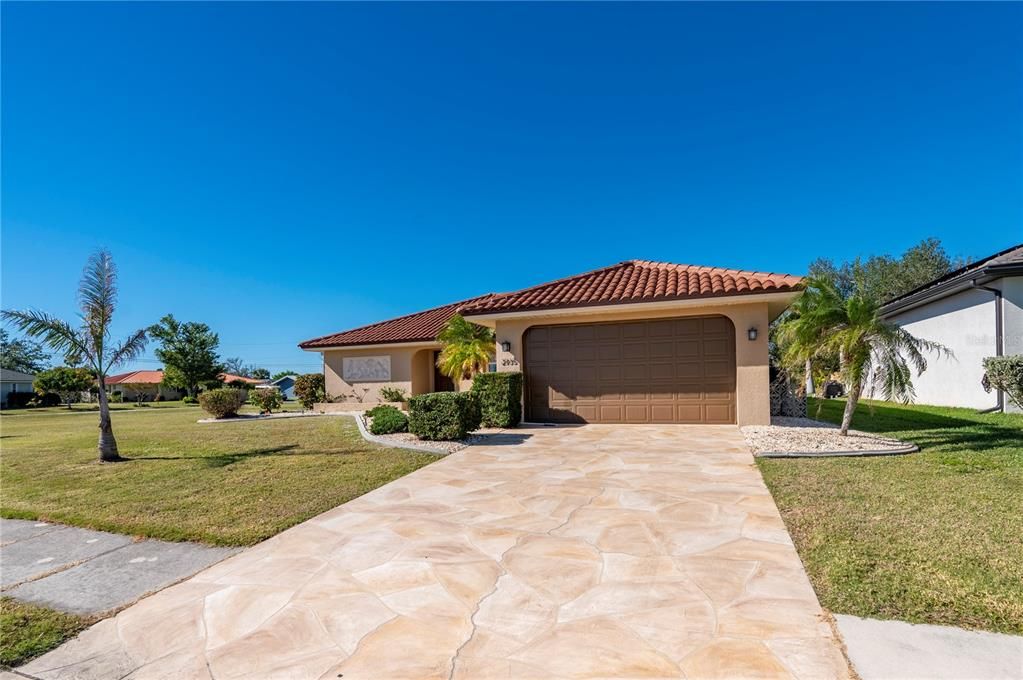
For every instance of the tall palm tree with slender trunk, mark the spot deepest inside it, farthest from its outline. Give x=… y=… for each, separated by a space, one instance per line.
x=90 y=342
x=468 y=349
x=871 y=351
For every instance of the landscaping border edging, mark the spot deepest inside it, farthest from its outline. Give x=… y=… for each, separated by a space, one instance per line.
x=902 y=451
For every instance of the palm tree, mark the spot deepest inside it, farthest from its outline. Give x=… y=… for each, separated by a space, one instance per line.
x=870 y=350
x=468 y=349
x=97 y=296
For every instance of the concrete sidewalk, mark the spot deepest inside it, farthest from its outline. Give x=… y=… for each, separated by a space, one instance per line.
x=90 y=572
x=894 y=650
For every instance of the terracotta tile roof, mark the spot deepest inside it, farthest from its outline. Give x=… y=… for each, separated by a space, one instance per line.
x=635 y=281
x=136 y=377
x=231 y=377
x=418 y=327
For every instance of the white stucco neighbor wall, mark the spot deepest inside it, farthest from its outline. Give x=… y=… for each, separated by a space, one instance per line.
x=965 y=323
x=1012 y=312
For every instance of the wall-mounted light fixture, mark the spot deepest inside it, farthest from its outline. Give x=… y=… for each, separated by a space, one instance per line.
x=505 y=346
x=752 y=333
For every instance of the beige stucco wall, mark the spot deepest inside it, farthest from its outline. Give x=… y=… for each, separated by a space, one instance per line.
x=411 y=370
x=752 y=388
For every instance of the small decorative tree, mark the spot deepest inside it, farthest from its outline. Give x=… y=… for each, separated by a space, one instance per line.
x=871 y=351
x=309 y=389
x=90 y=343
x=143 y=390
x=468 y=349
x=1005 y=374
x=266 y=399
x=69 y=383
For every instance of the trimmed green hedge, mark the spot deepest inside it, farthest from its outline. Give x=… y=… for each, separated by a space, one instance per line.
x=443 y=416
x=387 y=420
x=500 y=398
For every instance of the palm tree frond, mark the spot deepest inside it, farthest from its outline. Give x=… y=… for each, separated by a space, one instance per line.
x=131 y=348
x=97 y=296
x=56 y=333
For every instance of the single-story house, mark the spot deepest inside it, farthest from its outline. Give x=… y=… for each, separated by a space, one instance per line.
x=976 y=312
x=286 y=385
x=148 y=383
x=12 y=382
x=636 y=342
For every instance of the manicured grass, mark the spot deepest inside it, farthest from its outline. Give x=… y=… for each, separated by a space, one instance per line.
x=26 y=631
x=931 y=537
x=130 y=406
x=232 y=483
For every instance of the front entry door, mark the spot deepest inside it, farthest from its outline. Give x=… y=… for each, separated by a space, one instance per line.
x=441 y=383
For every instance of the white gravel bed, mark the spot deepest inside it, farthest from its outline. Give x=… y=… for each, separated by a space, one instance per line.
x=804 y=435
x=447 y=447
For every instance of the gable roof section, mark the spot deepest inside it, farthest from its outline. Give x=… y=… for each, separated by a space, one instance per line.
x=136 y=378
x=9 y=375
x=418 y=327
x=1008 y=262
x=636 y=281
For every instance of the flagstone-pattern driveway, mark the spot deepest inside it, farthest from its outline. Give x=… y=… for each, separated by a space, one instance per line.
x=594 y=551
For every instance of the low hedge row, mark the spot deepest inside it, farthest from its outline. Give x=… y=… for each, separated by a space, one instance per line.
x=500 y=398
x=443 y=416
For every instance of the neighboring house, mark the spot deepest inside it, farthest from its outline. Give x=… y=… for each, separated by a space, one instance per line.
x=286 y=385
x=976 y=312
x=636 y=342
x=149 y=383
x=12 y=382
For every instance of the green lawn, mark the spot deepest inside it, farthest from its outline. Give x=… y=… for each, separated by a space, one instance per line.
x=931 y=537
x=129 y=406
x=26 y=631
x=230 y=483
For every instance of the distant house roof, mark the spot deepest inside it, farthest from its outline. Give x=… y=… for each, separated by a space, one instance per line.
x=635 y=281
x=418 y=327
x=283 y=378
x=7 y=375
x=1008 y=262
x=231 y=377
x=136 y=378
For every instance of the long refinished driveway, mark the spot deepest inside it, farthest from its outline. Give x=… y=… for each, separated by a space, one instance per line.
x=593 y=551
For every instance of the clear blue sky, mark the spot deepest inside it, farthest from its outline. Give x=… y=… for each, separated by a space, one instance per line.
x=281 y=171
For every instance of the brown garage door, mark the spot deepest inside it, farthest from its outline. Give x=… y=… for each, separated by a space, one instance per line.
x=663 y=371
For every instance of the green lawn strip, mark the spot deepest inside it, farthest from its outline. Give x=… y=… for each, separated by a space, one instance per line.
x=26 y=631
x=82 y=408
x=221 y=483
x=931 y=537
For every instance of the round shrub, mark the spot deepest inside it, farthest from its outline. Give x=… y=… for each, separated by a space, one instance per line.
x=387 y=420
x=266 y=399
x=189 y=400
x=223 y=402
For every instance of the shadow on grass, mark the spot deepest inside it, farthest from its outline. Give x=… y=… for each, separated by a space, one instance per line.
x=882 y=418
x=225 y=459
x=976 y=438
